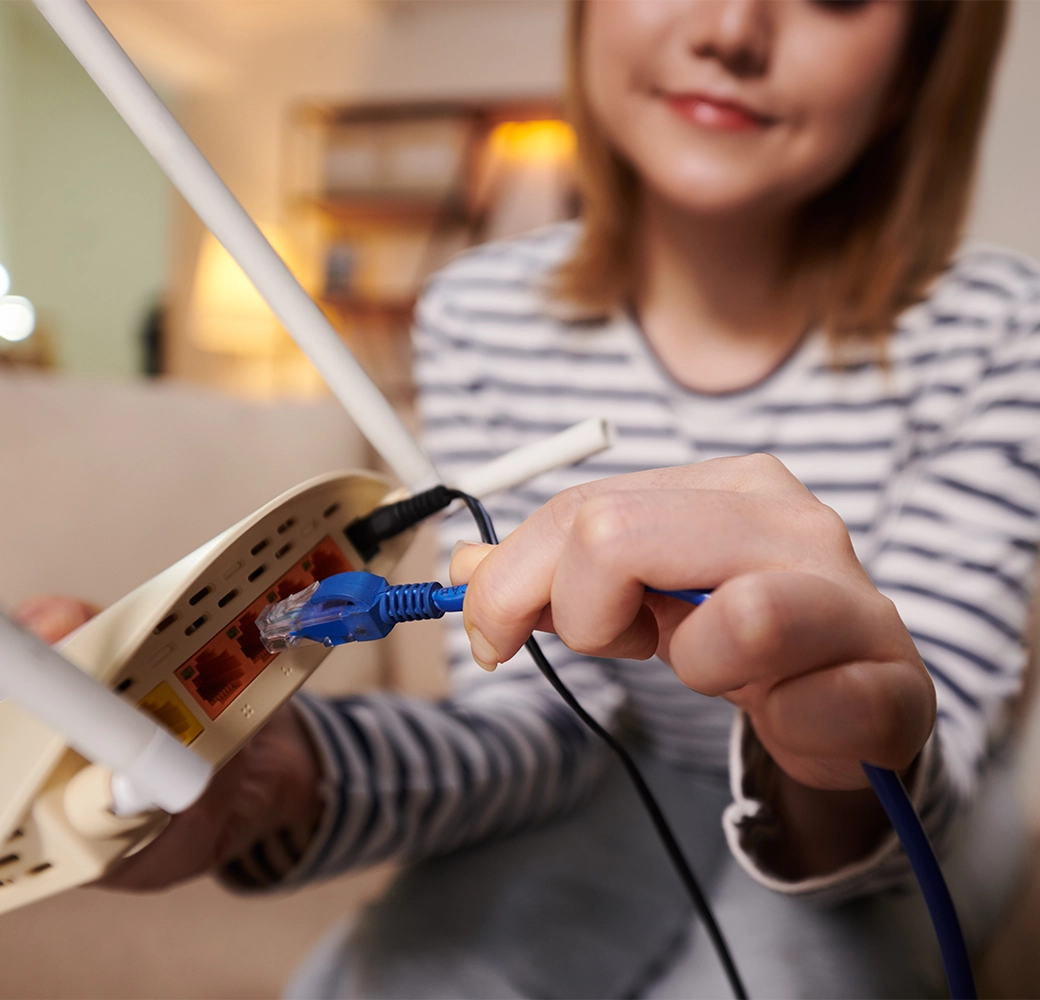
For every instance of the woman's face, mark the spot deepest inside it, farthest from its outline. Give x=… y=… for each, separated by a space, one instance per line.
x=728 y=105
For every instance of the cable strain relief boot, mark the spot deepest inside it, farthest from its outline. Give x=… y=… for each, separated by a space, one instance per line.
x=409 y=602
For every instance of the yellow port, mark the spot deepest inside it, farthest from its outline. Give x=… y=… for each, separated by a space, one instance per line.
x=165 y=707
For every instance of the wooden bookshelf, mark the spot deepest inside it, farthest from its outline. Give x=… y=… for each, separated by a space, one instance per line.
x=384 y=193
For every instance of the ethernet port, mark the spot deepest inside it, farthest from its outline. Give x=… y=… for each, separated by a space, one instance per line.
x=248 y=638
x=216 y=673
x=290 y=585
x=327 y=560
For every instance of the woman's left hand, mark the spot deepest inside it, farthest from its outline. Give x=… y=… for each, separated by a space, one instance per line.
x=795 y=635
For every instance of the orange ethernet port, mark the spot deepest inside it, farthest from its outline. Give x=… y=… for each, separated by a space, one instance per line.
x=247 y=635
x=235 y=656
x=214 y=676
x=326 y=560
x=291 y=583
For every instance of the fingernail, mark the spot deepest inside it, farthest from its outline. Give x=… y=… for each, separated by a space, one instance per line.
x=483 y=652
x=460 y=545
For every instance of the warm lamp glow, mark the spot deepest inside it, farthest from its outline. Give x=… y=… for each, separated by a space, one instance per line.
x=227 y=313
x=533 y=142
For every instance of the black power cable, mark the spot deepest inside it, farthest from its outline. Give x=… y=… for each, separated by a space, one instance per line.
x=657 y=817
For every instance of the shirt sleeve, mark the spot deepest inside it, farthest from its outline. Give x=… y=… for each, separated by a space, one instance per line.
x=409 y=779
x=955 y=550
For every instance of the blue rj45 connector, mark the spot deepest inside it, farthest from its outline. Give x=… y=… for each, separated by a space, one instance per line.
x=352 y=607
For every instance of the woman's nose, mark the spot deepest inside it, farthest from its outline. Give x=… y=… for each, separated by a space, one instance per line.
x=736 y=33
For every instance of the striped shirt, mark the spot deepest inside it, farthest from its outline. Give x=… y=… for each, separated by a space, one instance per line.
x=933 y=464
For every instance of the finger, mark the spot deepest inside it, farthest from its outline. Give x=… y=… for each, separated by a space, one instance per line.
x=621 y=542
x=234 y=811
x=881 y=713
x=52 y=617
x=638 y=642
x=186 y=848
x=465 y=558
x=598 y=596
x=508 y=592
x=777 y=624
x=716 y=518
x=665 y=538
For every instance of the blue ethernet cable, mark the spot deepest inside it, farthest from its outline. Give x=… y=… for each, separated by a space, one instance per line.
x=907 y=824
x=359 y=607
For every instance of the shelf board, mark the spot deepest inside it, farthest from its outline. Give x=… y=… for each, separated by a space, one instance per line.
x=359 y=306
x=391 y=209
x=379 y=112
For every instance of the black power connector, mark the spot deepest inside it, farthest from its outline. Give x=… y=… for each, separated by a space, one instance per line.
x=368 y=532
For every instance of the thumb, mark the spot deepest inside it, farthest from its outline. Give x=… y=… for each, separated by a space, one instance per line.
x=465 y=558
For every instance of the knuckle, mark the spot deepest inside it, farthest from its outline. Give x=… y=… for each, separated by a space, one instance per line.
x=762 y=469
x=823 y=531
x=564 y=506
x=763 y=464
x=753 y=617
x=827 y=523
x=897 y=717
x=580 y=642
x=604 y=526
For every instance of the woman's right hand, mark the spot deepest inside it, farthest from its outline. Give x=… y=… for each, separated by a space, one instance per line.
x=269 y=786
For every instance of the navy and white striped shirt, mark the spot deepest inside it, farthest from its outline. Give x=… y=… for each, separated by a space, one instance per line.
x=934 y=465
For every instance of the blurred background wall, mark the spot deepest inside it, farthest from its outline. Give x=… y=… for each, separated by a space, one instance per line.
x=1006 y=211
x=84 y=212
x=91 y=233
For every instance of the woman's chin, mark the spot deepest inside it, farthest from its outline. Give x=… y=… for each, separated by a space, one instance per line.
x=720 y=199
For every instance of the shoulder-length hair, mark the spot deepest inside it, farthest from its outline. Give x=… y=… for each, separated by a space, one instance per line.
x=868 y=246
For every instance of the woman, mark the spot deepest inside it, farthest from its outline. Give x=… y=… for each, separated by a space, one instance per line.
x=773 y=196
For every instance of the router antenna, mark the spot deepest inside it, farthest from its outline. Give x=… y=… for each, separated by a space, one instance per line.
x=150 y=768
x=190 y=173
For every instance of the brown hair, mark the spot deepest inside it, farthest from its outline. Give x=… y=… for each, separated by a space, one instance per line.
x=870 y=244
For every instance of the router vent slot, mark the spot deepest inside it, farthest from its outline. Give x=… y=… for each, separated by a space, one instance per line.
x=286 y=525
x=259 y=547
x=330 y=510
x=124 y=685
x=195 y=598
x=227 y=598
x=281 y=552
x=9 y=859
x=257 y=573
x=165 y=623
x=196 y=625
x=39 y=868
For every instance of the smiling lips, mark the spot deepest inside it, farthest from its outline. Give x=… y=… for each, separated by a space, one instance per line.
x=714 y=113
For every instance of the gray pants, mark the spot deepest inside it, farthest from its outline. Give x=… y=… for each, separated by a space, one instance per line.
x=589 y=906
